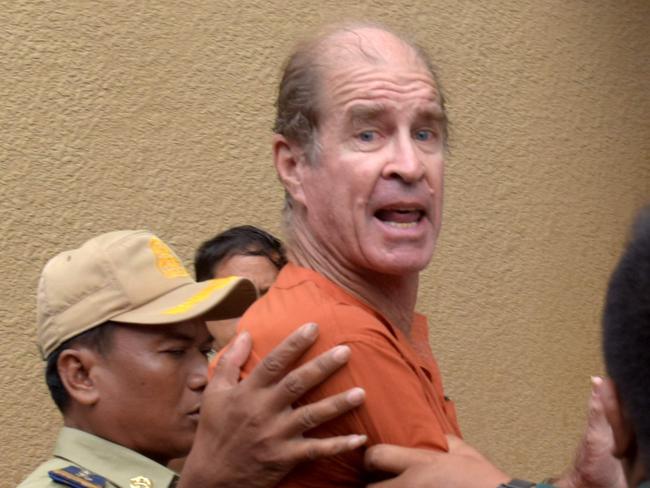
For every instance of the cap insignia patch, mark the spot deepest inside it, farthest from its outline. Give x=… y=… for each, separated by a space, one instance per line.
x=166 y=261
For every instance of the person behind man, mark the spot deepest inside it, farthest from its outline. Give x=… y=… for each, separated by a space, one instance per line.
x=359 y=148
x=622 y=400
x=121 y=326
x=626 y=344
x=245 y=251
x=252 y=252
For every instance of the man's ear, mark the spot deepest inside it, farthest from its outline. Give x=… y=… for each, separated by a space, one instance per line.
x=289 y=161
x=75 y=369
x=624 y=437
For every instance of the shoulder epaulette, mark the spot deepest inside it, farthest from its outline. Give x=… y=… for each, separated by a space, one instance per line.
x=77 y=477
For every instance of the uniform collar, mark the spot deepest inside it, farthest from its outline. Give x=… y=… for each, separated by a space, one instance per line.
x=116 y=463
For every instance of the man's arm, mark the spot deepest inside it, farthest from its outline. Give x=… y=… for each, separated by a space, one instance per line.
x=461 y=467
x=464 y=467
x=248 y=434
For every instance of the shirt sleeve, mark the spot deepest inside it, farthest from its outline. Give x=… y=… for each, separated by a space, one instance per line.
x=402 y=406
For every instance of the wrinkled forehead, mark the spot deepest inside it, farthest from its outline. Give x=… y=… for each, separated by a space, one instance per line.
x=370 y=46
x=358 y=63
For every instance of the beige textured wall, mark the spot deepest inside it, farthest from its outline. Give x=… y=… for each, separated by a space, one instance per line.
x=130 y=114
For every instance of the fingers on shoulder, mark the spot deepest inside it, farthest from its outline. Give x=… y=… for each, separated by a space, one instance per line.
x=396 y=459
x=229 y=363
x=312 y=373
x=309 y=449
x=309 y=416
x=283 y=356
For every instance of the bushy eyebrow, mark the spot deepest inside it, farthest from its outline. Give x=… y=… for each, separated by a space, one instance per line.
x=371 y=112
x=431 y=115
x=366 y=112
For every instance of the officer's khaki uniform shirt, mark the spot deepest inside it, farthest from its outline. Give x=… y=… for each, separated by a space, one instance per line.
x=103 y=461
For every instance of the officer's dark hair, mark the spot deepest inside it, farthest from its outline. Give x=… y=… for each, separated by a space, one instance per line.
x=626 y=331
x=244 y=240
x=98 y=338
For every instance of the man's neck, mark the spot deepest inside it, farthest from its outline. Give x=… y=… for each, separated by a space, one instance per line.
x=83 y=423
x=393 y=296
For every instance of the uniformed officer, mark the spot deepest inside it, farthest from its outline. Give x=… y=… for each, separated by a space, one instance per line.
x=121 y=325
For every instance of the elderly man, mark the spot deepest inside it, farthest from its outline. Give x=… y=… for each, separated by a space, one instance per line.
x=359 y=149
x=623 y=400
x=122 y=327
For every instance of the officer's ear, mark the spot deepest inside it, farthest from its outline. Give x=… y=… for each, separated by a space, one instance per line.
x=75 y=368
x=290 y=162
x=624 y=437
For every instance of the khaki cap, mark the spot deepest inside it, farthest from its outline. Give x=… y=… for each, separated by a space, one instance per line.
x=132 y=277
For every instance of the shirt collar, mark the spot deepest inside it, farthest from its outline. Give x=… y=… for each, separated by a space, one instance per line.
x=111 y=461
x=293 y=275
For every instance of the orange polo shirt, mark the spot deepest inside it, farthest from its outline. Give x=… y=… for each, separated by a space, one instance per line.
x=405 y=403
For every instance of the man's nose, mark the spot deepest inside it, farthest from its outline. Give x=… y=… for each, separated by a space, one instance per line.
x=405 y=162
x=198 y=377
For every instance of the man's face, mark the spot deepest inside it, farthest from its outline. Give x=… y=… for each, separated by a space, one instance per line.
x=259 y=269
x=374 y=196
x=150 y=383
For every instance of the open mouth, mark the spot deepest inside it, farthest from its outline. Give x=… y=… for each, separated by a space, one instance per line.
x=400 y=217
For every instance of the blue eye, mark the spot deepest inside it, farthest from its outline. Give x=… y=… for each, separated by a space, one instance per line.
x=367 y=136
x=423 y=135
